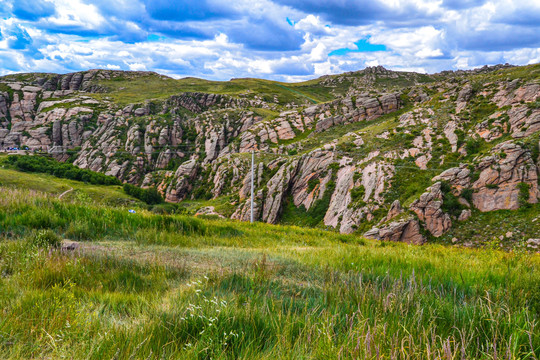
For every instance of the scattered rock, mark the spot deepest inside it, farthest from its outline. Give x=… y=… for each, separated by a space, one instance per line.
x=465 y=215
x=497 y=186
x=407 y=231
x=208 y=211
x=69 y=246
x=533 y=244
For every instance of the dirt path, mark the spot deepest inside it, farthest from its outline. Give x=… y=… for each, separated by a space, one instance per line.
x=64 y=193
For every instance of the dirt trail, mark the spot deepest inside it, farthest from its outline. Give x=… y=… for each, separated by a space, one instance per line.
x=64 y=193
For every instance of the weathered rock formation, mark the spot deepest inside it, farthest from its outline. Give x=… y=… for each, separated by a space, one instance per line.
x=429 y=210
x=501 y=175
x=336 y=155
x=407 y=231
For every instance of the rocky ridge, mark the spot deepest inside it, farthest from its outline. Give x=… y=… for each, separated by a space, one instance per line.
x=407 y=162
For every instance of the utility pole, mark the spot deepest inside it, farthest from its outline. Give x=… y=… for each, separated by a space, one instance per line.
x=252 y=180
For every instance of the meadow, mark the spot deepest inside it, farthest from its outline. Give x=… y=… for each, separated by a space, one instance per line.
x=149 y=286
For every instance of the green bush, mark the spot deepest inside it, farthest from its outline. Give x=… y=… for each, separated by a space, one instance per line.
x=150 y=196
x=467 y=194
x=523 y=197
x=45 y=165
x=472 y=146
x=358 y=193
x=165 y=209
x=408 y=183
x=46 y=239
x=451 y=204
x=312 y=183
x=312 y=217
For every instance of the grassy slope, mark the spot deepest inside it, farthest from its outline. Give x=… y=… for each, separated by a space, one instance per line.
x=150 y=286
x=112 y=195
x=155 y=87
x=125 y=91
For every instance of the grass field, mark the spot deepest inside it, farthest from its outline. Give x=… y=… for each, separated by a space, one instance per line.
x=147 y=286
x=112 y=195
x=126 y=91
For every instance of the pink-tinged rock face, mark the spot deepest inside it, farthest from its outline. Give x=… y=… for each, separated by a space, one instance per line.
x=428 y=209
x=395 y=210
x=314 y=166
x=497 y=186
x=341 y=197
x=458 y=177
x=407 y=231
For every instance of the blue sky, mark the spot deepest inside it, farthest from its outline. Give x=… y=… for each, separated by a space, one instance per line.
x=288 y=40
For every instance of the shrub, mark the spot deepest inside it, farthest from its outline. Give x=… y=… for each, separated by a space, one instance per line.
x=150 y=196
x=312 y=183
x=472 y=146
x=46 y=239
x=467 y=194
x=451 y=204
x=45 y=165
x=358 y=193
x=165 y=209
x=523 y=196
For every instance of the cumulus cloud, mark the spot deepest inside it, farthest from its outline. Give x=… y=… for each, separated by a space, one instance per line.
x=285 y=40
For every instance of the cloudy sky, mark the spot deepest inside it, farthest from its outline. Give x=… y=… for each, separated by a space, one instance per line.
x=286 y=40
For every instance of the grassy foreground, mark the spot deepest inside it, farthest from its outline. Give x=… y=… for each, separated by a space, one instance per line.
x=147 y=286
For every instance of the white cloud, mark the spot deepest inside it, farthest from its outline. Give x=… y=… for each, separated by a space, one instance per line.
x=312 y=24
x=136 y=66
x=75 y=13
x=441 y=39
x=427 y=53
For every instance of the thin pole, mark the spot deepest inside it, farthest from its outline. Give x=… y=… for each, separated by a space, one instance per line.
x=252 y=180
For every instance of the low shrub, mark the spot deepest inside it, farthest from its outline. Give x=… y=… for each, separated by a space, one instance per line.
x=523 y=197
x=46 y=239
x=45 y=165
x=150 y=196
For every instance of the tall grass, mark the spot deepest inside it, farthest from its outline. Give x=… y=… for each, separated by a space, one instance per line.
x=23 y=211
x=174 y=287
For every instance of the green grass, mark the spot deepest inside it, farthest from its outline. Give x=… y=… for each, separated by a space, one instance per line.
x=484 y=229
x=112 y=195
x=146 y=286
x=127 y=91
x=152 y=286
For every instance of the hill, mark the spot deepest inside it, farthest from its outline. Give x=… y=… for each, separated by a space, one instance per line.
x=450 y=157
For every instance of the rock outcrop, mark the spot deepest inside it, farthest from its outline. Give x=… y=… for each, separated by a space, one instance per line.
x=395 y=210
x=340 y=161
x=407 y=231
x=500 y=178
x=429 y=210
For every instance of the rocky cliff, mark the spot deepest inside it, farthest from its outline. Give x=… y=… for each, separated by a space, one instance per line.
x=398 y=156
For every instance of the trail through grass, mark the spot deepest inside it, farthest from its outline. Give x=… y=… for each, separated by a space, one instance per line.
x=147 y=286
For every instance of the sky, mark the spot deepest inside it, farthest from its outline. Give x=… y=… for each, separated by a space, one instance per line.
x=286 y=40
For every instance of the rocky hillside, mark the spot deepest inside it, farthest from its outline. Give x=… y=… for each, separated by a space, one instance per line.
x=407 y=157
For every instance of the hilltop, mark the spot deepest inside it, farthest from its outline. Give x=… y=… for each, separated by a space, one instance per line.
x=401 y=156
